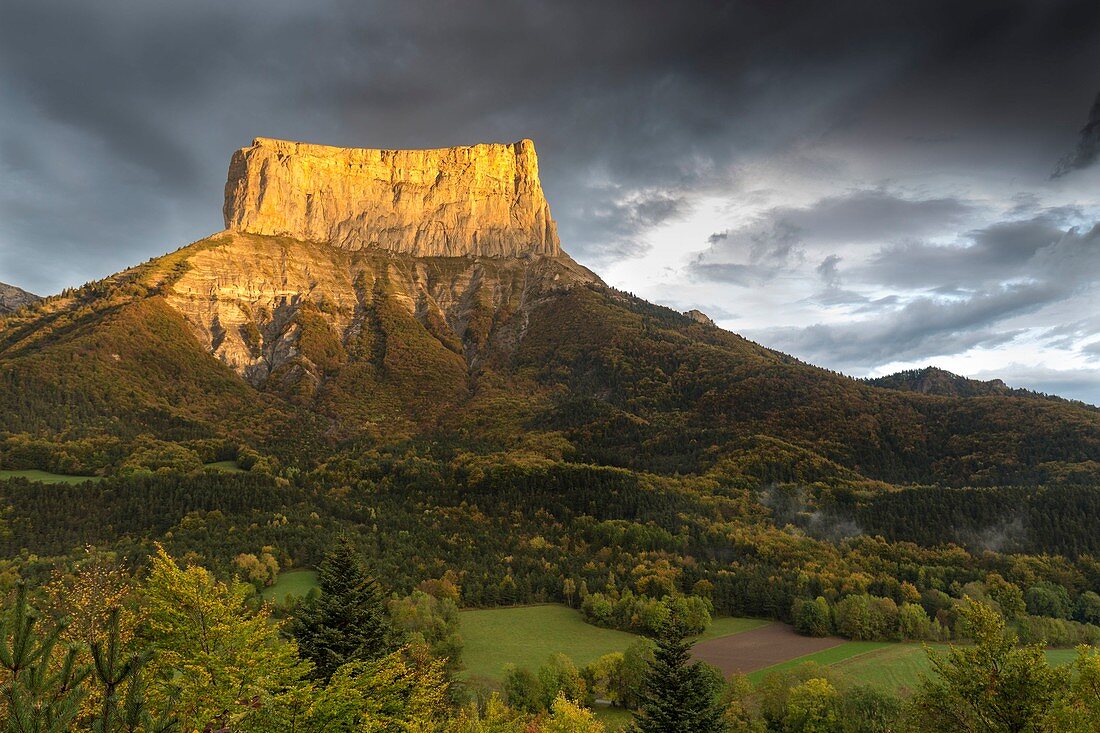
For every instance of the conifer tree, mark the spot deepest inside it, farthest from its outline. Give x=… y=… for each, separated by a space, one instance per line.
x=36 y=696
x=678 y=697
x=348 y=621
x=130 y=712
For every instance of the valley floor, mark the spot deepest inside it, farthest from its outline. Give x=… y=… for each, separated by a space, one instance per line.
x=526 y=636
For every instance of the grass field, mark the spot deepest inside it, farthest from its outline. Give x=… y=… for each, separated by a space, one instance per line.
x=529 y=635
x=292 y=582
x=226 y=466
x=731 y=625
x=614 y=719
x=46 y=477
x=846 y=651
x=898 y=667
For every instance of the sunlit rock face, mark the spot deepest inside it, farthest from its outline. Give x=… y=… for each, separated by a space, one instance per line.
x=448 y=248
x=479 y=200
x=243 y=294
x=13 y=298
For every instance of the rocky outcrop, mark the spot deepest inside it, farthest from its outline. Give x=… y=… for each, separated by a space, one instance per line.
x=699 y=317
x=13 y=298
x=479 y=200
x=244 y=295
x=344 y=247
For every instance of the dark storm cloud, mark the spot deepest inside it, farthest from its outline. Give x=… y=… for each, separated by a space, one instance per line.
x=873 y=216
x=1040 y=265
x=1068 y=335
x=997 y=252
x=619 y=219
x=921 y=328
x=828 y=271
x=119 y=118
x=833 y=292
x=770 y=247
x=778 y=239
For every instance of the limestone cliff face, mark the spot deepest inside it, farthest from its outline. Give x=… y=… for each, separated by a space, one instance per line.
x=480 y=200
x=13 y=298
x=250 y=297
x=343 y=270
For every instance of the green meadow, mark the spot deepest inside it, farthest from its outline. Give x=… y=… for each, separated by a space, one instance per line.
x=529 y=635
x=46 y=477
x=898 y=667
x=293 y=583
x=825 y=658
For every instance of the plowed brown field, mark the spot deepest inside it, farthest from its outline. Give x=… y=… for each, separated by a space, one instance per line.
x=759 y=648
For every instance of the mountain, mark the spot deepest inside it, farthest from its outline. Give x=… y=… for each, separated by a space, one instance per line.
x=363 y=298
x=479 y=201
x=13 y=298
x=933 y=381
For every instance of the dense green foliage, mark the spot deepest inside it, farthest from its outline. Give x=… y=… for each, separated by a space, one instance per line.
x=1047 y=519
x=649 y=538
x=179 y=646
x=347 y=621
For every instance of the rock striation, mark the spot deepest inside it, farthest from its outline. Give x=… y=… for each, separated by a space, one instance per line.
x=480 y=200
x=13 y=298
x=336 y=259
x=243 y=295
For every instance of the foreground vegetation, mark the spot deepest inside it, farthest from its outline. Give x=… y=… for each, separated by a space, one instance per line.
x=178 y=650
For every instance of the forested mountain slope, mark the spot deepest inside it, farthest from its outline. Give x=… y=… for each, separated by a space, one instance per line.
x=441 y=310
x=437 y=379
x=261 y=339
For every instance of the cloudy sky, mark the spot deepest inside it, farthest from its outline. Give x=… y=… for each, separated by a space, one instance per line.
x=870 y=186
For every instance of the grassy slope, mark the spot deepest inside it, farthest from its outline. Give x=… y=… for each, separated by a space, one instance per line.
x=292 y=582
x=527 y=636
x=731 y=625
x=827 y=657
x=46 y=477
x=898 y=667
x=226 y=466
x=614 y=719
